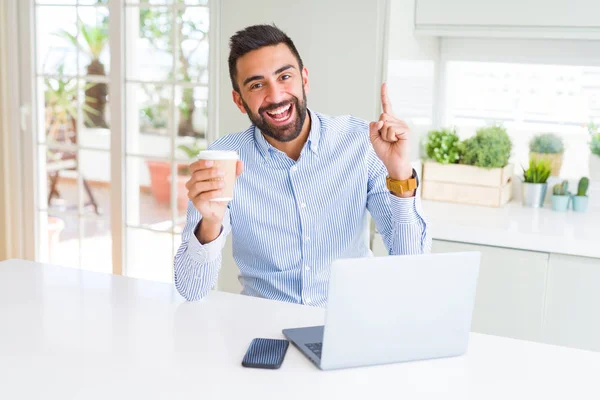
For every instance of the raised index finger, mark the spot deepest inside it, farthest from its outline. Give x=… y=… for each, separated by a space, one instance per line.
x=385 y=100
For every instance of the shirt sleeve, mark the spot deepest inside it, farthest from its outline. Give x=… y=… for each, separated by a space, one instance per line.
x=196 y=265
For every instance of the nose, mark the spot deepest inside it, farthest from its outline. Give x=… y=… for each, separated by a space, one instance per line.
x=275 y=94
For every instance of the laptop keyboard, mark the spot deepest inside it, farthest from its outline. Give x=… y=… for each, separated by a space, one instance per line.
x=315 y=348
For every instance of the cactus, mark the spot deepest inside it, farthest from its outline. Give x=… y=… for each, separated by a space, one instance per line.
x=560 y=189
x=583 y=186
x=556 y=189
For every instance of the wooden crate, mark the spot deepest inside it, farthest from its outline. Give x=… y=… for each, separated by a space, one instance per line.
x=467 y=184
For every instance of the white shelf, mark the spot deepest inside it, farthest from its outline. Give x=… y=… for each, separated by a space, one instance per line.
x=517 y=227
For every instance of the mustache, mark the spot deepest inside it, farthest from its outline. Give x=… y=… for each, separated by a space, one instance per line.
x=272 y=107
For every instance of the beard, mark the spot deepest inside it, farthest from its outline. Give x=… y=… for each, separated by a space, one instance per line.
x=285 y=133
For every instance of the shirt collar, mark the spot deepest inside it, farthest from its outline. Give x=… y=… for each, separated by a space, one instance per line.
x=314 y=137
x=313 y=142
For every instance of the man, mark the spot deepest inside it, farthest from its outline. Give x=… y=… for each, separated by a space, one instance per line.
x=304 y=184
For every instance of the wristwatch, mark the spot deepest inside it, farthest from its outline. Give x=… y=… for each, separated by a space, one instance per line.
x=406 y=185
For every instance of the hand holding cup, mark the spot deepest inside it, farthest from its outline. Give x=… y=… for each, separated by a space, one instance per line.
x=210 y=188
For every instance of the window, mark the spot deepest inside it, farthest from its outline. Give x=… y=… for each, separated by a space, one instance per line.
x=163 y=87
x=411 y=84
x=527 y=99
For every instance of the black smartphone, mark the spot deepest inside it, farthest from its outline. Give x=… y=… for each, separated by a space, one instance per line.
x=265 y=353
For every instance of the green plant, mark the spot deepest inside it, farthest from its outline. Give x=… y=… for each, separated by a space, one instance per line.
x=547 y=143
x=156 y=26
x=489 y=148
x=561 y=189
x=60 y=98
x=92 y=42
x=443 y=146
x=153 y=117
x=594 y=131
x=191 y=151
x=538 y=171
x=582 y=187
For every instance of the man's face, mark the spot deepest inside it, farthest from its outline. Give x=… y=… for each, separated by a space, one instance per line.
x=272 y=91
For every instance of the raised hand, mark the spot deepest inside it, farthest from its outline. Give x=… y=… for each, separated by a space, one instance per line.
x=390 y=138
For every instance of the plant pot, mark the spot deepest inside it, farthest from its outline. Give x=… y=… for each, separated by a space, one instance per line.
x=160 y=182
x=580 y=203
x=182 y=198
x=554 y=158
x=594 y=167
x=534 y=194
x=560 y=203
x=467 y=184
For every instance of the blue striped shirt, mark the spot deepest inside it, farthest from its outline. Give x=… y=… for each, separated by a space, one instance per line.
x=290 y=219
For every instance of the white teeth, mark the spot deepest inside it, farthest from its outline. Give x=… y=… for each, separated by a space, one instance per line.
x=280 y=110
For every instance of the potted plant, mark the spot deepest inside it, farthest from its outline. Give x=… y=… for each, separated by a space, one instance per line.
x=534 y=182
x=475 y=171
x=595 y=149
x=580 y=201
x=160 y=177
x=548 y=146
x=93 y=40
x=561 y=197
x=443 y=146
x=489 y=148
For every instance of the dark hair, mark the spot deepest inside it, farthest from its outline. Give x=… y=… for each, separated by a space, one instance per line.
x=253 y=38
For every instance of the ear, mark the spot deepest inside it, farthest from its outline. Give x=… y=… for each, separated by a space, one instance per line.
x=305 y=80
x=237 y=99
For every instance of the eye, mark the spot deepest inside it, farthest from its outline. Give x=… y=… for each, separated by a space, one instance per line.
x=256 y=86
x=285 y=76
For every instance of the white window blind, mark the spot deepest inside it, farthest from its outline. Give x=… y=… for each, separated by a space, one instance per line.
x=523 y=96
x=411 y=88
x=526 y=99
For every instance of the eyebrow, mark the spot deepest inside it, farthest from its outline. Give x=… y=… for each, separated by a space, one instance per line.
x=258 y=77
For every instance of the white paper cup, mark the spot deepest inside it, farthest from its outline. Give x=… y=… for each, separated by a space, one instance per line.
x=227 y=162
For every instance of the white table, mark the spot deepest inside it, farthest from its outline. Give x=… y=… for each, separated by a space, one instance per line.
x=70 y=334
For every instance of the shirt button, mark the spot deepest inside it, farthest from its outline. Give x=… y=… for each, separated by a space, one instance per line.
x=303 y=205
x=307 y=238
x=294 y=168
x=307 y=268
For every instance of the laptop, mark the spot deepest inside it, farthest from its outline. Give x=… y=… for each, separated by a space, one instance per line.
x=383 y=310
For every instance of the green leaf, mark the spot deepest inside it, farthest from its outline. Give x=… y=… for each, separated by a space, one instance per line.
x=489 y=148
x=443 y=146
x=538 y=172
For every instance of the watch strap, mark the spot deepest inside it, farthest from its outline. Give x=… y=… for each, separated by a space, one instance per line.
x=402 y=186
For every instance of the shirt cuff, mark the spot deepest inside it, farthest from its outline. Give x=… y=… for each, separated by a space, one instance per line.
x=404 y=209
x=205 y=253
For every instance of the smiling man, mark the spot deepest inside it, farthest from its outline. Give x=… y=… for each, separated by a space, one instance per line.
x=305 y=184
